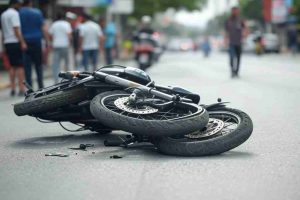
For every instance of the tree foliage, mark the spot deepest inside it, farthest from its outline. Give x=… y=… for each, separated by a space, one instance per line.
x=296 y=9
x=215 y=25
x=252 y=9
x=150 y=7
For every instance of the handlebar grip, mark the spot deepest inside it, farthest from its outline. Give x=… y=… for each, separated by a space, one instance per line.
x=66 y=75
x=61 y=74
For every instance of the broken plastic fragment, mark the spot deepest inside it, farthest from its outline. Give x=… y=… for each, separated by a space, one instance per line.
x=57 y=154
x=82 y=147
x=116 y=157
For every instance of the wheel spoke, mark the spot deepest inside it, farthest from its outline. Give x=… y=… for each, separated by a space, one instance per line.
x=221 y=123
x=230 y=124
x=115 y=104
x=227 y=120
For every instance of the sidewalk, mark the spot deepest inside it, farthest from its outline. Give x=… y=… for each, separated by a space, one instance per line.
x=4 y=75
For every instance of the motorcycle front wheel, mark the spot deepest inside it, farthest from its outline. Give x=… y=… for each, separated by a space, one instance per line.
x=227 y=128
x=111 y=108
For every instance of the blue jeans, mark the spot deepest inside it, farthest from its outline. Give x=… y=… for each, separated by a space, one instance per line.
x=58 y=55
x=33 y=55
x=89 y=55
x=108 y=56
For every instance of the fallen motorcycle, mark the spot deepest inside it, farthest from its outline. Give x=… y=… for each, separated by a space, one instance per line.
x=124 y=98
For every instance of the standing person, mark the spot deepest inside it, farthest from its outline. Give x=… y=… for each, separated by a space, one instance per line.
x=110 y=32
x=206 y=47
x=75 y=23
x=91 y=39
x=60 y=34
x=234 y=28
x=33 y=29
x=292 y=36
x=14 y=44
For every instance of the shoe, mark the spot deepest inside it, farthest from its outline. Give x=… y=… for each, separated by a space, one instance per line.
x=12 y=93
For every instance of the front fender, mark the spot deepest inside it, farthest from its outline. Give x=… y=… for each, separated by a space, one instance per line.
x=215 y=106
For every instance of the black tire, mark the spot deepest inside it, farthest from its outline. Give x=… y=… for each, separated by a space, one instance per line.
x=145 y=127
x=210 y=146
x=46 y=103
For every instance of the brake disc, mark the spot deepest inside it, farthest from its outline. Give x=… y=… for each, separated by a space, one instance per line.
x=213 y=127
x=122 y=103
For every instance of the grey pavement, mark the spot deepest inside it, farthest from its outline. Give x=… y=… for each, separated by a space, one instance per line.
x=267 y=166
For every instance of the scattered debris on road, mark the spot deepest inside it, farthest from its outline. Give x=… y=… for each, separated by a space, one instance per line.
x=116 y=157
x=82 y=147
x=57 y=154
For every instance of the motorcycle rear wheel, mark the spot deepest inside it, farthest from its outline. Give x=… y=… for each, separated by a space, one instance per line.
x=227 y=129
x=146 y=121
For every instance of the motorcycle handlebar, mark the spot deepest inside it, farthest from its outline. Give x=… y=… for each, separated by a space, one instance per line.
x=115 y=80
x=72 y=74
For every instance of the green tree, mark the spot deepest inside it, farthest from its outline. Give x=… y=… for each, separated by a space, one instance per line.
x=252 y=9
x=296 y=9
x=150 y=7
x=215 y=25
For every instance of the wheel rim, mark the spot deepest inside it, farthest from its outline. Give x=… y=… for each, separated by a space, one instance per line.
x=220 y=123
x=116 y=103
x=121 y=103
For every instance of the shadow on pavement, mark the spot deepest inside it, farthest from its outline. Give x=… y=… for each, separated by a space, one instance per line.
x=134 y=152
x=63 y=140
x=233 y=154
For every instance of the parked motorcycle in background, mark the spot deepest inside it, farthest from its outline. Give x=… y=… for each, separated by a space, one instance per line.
x=147 y=45
x=144 y=48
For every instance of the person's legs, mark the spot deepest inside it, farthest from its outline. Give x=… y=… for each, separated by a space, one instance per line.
x=85 y=59
x=12 y=76
x=108 y=56
x=65 y=57
x=231 y=58
x=56 y=64
x=238 y=50
x=27 y=65
x=15 y=56
x=94 y=57
x=37 y=59
x=20 y=75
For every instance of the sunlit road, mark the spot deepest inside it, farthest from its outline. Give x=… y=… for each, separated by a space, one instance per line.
x=267 y=166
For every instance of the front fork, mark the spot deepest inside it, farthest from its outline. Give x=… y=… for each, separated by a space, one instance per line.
x=110 y=79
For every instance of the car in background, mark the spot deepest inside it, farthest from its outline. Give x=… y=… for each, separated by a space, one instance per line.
x=181 y=44
x=270 y=42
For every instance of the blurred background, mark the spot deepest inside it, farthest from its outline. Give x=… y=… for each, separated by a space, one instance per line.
x=189 y=48
x=184 y=25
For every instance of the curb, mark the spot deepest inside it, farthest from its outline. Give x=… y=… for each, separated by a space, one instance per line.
x=4 y=85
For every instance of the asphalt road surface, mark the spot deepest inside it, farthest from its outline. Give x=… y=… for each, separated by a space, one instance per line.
x=267 y=166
